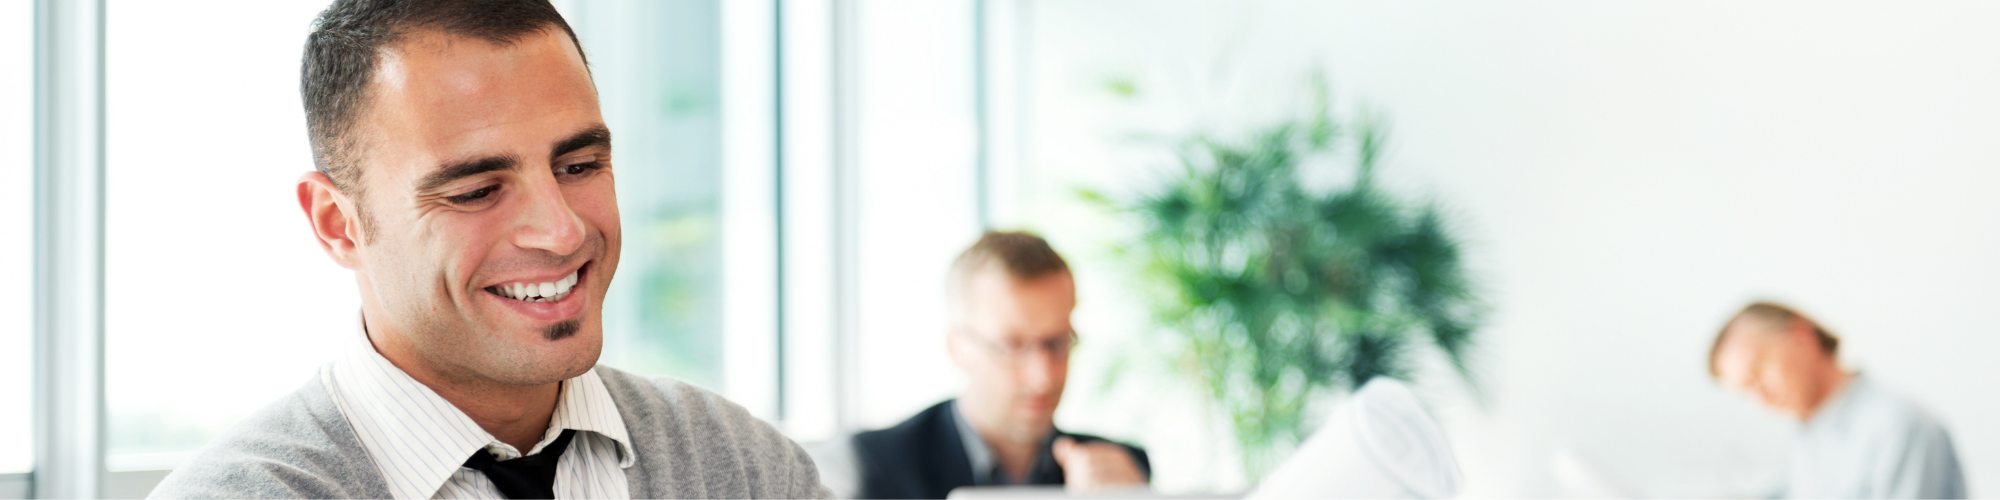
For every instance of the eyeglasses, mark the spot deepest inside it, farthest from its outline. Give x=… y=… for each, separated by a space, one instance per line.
x=1016 y=351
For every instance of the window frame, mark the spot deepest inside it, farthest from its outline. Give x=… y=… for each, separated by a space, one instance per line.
x=68 y=241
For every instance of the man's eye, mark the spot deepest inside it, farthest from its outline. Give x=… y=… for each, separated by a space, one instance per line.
x=580 y=169
x=476 y=195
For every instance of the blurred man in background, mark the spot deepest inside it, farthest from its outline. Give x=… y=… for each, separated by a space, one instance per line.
x=1009 y=298
x=1857 y=440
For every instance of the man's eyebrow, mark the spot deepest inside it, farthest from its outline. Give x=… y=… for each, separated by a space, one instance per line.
x=594 y=136
x=462 y=169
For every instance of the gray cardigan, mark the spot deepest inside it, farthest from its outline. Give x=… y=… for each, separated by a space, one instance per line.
x=690 y=442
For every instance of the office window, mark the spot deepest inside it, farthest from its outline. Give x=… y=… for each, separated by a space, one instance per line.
x=17 y=112
x=915 y=155
x=879 y=163
x=658 y=70
x=217 y=299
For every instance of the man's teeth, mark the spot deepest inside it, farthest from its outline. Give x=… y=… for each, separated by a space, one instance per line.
x=537 y=292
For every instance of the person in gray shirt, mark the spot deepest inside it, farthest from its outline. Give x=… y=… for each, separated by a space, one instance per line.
x=1856 y=438
x=464 y=174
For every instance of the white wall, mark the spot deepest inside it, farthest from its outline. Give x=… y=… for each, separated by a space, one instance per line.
x=1625 y=175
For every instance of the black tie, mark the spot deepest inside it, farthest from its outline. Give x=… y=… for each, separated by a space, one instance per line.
x=532 y=476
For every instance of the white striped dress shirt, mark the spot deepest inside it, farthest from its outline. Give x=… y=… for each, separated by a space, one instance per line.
x=420 y=441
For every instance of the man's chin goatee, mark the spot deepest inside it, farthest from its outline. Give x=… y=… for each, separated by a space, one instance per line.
x=564 y=329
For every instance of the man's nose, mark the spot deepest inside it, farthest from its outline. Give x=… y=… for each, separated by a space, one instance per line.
x=546 y=221
x=1041 y=372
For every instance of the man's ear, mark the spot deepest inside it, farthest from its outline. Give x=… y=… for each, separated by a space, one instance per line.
x=335 y=222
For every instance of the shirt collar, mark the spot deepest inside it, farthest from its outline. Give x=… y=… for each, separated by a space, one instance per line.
x=419 y=439
x=586 y=405
x=976 y=450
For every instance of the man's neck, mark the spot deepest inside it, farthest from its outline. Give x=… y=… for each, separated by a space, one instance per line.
x=1834 y=380
x=516 y=415
x=1014 y=453
x=1015 y=459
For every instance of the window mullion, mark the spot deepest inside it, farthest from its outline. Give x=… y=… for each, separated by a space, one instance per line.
x=69 y=249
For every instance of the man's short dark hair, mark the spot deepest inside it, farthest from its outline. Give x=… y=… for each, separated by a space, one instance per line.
x=1020 y=254
x=344 y=50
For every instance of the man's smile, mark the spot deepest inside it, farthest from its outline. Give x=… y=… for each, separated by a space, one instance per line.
x=546 y=291
x=545 y=300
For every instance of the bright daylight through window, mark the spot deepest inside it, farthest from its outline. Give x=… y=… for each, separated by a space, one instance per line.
x=216 y=300
x=16 y=225
x=658 y=69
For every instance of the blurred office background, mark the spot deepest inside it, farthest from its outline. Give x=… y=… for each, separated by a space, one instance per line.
x=795 y=176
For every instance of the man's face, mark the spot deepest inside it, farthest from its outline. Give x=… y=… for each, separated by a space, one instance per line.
x=1773 y=365
x=494 y=225
x=1014 y=345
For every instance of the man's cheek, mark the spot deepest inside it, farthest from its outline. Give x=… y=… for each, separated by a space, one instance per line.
x=601 y=205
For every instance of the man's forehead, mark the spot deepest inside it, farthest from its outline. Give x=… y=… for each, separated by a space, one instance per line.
x=998 y=288
x=1740 y=347
x=1001 y=305
x=996 y=277
x=442 y=97
x=477 y=77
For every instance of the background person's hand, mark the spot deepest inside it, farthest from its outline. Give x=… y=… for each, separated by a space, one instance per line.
x=1096 y=466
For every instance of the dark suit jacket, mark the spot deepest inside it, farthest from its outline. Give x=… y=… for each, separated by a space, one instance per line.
x=923 y=457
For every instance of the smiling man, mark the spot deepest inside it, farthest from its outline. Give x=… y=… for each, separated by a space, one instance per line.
x=465 y=176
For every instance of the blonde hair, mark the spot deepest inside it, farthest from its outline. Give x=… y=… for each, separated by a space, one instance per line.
x=1774 y=317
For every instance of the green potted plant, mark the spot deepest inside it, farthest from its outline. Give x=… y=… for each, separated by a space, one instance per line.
x=1281 y=294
